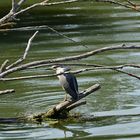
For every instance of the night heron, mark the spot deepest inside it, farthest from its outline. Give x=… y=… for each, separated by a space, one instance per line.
x=68 y=81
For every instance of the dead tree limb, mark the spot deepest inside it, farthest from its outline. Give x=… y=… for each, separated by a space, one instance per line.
x=16 y=8
x=61 y=109
x=69 y=58
x=93 y=68
x=20 y=60
x=11 y=15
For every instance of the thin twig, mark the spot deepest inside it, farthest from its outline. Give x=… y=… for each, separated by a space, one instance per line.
x=130 y=74
x=128 y=5
x=3 y=66
x=44 y=3
x=121 y=71
x=52 y=29
x=28 y=45
x=131 y=3
x=25 y=53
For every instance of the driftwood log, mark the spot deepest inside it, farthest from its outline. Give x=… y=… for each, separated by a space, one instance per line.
x=62 y=109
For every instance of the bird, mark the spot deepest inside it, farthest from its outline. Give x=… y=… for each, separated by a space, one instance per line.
x=68 y=81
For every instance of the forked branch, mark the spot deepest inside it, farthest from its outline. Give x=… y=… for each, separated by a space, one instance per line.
x=16 y=9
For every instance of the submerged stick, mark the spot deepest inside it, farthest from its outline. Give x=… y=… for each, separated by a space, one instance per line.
x=7 y=91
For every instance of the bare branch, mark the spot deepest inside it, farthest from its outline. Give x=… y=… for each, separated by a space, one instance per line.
x=3 y=66
x=13 y=6
x=69 y=58
x=21 y=2
x=42 y=27
x=93 y=68
x=44 y=3
x=64 y=36
x=129 y=4
x=15 y=10
x=121 y=71
x=7 y=91
x=29 y=44
x=25 y=53
x=129 y=74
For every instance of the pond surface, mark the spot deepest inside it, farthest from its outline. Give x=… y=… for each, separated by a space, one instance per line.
x=95 y=25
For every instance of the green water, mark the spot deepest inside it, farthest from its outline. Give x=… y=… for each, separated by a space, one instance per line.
x=95 y=25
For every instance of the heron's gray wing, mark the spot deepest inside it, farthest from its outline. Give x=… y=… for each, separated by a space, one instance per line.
x=72 y=82
x=75 y=84
x=71 y=85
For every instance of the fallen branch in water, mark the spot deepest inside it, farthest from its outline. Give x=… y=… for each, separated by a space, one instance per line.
x=69 y=58
x=7 y=91
x=61 y=110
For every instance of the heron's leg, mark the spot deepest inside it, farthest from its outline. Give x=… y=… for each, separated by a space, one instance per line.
x=65 y=99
